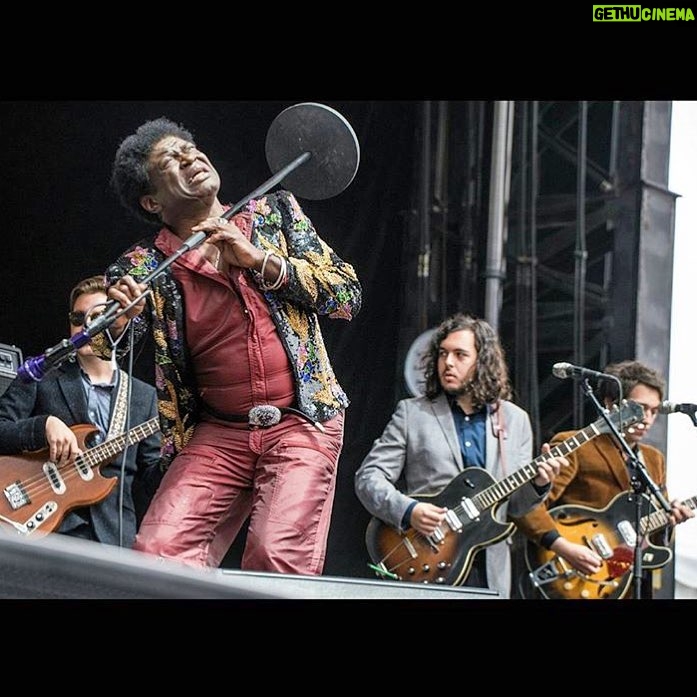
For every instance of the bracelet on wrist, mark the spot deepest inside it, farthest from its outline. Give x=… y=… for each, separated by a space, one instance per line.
x=282 y=272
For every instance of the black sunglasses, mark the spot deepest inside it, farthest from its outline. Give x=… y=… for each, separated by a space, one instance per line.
x=77 y=317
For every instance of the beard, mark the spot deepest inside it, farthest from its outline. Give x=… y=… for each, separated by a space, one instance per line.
x=465 y=387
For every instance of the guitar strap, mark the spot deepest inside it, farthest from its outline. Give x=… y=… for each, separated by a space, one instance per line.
x=499 y=428
x=118 y=416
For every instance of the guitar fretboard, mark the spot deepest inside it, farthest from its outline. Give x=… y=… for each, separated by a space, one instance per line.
x=659 y=519
x=631 y=411
x=107 y=450
x=504 y=488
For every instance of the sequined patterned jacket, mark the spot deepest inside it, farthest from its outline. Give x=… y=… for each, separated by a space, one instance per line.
x=319 y=283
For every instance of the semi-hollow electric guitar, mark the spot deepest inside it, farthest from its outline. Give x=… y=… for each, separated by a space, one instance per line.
x=445 y=556
x=611 y=533
x=37 y=493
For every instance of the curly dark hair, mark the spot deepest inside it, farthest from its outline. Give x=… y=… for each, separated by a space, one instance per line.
x=630 y=373
x=491 y=381
x=129 y=173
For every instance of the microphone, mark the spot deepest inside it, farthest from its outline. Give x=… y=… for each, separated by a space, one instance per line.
x=309 y=133
x=36 y=368
x=672 y=408
x=567 y=370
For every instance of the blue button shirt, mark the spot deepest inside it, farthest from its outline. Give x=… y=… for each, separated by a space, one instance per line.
x=471 y=433
x=99 y=402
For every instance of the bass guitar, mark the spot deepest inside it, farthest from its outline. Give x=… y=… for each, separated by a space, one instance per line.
x=611 y=533
x=38 y=493
x=445 y=556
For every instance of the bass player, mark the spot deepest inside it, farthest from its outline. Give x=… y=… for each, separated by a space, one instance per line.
x=42 y=415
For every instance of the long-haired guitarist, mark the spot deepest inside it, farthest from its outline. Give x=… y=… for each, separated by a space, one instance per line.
x=464 y=423
x=598 y=473
x=38 y=420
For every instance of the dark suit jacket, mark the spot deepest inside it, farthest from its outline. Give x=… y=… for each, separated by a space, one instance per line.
x=24 y=409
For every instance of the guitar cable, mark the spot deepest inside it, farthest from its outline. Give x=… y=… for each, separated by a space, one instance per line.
x=127 y=429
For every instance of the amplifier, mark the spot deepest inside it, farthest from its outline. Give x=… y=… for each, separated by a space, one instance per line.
x=10 y=360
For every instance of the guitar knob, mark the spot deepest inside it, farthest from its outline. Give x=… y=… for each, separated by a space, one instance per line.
x=568 y=586
x=411 y=570
x=426 y=567
x=442 y=565
x=585 y=593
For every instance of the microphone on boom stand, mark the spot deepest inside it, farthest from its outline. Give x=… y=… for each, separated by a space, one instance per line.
x=309 y=134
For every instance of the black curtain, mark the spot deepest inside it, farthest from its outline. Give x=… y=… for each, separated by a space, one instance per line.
x=62 y=223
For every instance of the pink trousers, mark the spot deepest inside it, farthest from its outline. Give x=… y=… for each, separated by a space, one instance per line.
x=282 y=478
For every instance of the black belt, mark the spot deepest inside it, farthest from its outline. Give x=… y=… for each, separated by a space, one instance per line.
x=262 y=416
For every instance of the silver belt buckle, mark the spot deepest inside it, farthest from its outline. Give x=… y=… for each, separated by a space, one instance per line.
x=264 y=416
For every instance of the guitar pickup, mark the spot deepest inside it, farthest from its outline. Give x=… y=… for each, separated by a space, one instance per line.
x=626 y=529
x=601 y=546
x=470 y=509
x=453 y=521
x=54 y=478
x=84 y=469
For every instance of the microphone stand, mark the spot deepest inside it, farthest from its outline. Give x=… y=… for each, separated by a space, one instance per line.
x=36 y=368
x=640 y=481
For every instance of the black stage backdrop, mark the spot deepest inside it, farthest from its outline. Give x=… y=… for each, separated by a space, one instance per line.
x=62 y=223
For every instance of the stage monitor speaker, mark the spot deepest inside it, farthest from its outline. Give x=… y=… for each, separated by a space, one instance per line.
x=10 y=360
x=60 y=567
x=344 y=588
x=57 y=566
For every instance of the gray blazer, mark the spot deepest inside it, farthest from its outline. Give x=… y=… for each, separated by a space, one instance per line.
x=418 y=453
x=24 y=409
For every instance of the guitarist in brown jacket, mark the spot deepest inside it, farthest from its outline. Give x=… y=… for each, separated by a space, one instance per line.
x=582 y=538
x=57 y=432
